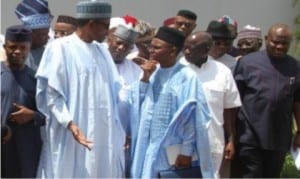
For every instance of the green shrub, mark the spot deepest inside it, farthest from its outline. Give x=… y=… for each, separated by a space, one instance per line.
x=289 y=170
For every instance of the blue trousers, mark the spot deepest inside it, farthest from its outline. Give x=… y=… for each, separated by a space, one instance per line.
x=20 y=156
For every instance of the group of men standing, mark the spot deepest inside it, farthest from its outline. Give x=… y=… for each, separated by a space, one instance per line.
x=78 y=113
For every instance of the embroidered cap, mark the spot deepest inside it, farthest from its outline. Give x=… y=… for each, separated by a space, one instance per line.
x=34 y=14
x=249 y=31
x=125 y=33
x=18 y=33
x=93 y=10
x=171 y=36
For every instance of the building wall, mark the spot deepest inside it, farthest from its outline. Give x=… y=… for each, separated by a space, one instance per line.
x=261 y=13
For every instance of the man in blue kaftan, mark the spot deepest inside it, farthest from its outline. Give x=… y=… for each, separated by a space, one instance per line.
x=77 y=91
x=165 y=109
x=20 y=150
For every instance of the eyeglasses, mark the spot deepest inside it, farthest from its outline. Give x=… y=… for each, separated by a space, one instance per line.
x=182 y=23
x=62 y=33
x=280 y=42
x=151 y=47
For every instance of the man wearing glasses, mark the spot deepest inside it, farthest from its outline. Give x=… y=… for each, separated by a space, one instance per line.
x=185 y=21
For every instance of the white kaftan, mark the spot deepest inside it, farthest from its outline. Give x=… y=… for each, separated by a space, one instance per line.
x=78 y=81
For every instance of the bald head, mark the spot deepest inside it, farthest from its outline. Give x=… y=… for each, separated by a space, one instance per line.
x=200 y=37
x=278 y=40
x=197 y=46
x=280 y=29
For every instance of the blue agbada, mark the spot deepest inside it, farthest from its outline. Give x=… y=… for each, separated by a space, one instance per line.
x=20 y=155
x=170 y=109
x=78 y=81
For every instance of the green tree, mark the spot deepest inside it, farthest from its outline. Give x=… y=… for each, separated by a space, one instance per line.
x=295 y=48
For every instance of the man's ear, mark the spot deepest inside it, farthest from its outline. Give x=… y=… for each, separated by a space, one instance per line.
x=208 y=47
x=194 y=26
x=266 y=37
x=109 y=39
x=174 y=51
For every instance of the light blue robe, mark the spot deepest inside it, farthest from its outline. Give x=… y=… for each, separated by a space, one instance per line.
x=78 y=81
x=178 y=115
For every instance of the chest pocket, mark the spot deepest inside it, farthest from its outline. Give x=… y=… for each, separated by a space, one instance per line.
x=288 y=86
x=214 y=93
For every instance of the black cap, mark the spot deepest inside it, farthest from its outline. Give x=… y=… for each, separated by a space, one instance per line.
x=219 y=30
x=187 y=14
x=171 y=36
x=66 y=19
x=18 y=33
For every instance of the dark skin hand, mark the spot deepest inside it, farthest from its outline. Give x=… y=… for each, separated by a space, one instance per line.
x=6 y=138
x=229 y=150
x=183 y=161
x=229 y=126
x=139 y=60
x=22 y=114
x=127 y=142
x=148 y=67
x=79 y=136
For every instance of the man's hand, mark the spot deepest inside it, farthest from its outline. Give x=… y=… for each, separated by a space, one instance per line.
x=7 y=137
x=22 y=114
x=148 y=67
x=139 y=60
x=229 y=151
x=183 y=161
x=127 y=142
x=79 y=137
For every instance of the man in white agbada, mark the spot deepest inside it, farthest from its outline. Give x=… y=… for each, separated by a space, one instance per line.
x=77 y=91
x=221 y=94
x=120 y=43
